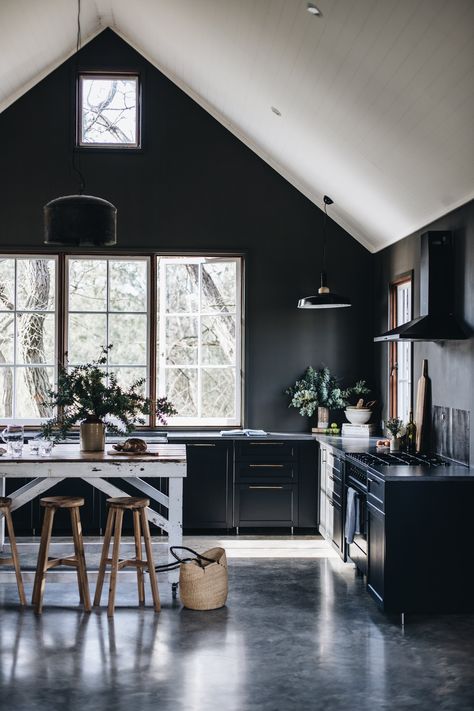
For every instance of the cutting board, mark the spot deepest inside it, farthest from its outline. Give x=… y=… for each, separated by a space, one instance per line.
x=422 y=409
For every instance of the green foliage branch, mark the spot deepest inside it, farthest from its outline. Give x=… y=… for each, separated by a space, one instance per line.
x=88 y=392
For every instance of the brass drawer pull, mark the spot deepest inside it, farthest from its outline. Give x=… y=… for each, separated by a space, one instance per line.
x=265 y=487
x=262 y=444
x=267 y=466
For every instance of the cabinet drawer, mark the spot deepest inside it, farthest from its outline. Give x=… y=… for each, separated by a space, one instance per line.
x=334 y=485
x=376 y=491
x=335 y=463
x=265 y=505
x=271 y=451
x=258 y=471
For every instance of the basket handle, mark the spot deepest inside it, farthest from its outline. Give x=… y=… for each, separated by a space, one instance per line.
x=172 y=566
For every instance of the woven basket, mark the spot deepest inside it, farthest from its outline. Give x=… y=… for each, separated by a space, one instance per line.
x=204 y=586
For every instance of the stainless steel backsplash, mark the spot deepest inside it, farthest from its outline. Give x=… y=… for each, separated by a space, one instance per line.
x=451 y=433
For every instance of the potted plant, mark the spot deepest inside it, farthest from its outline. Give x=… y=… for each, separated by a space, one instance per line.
x=88 y=395
x=395 y=427
x=316 y=390
x=358 y=414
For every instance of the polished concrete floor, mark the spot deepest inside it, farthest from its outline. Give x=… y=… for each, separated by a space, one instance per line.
x=297 y=634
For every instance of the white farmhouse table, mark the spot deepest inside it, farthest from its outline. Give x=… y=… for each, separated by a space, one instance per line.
x=99 y=469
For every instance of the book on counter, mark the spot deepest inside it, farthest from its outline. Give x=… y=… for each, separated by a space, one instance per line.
x=350 y=430
x=243 y=433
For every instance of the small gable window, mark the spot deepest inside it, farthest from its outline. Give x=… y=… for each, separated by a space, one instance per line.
x=108 y=110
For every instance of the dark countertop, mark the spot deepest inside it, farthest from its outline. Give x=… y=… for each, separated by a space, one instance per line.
x=209 y=435
x=345 y=445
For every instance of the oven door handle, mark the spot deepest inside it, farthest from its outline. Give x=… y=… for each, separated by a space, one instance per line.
x=357 y=485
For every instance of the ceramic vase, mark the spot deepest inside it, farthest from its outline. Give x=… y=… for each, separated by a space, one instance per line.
x=395 y=444
x=323 y=418
x=92 y=434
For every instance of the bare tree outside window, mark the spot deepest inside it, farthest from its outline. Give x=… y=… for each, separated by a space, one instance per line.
x=108 y=110
x=27 y=336
x=199 y=338
x=108 y=304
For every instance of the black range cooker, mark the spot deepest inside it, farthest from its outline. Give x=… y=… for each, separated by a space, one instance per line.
x=362 y=469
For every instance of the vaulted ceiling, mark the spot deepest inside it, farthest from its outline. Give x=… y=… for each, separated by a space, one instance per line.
x=376 y=96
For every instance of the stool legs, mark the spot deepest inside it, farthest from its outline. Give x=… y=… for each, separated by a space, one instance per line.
x=82 y=581
x=115 y=561
x=104 y=556
x=138 y=557
x=42 y=565
x=77 y=561
x=14 y=553
x=140 y=528
x=149 y=558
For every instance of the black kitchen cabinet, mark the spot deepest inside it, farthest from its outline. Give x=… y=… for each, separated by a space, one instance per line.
x=273 y=505
x=208 y=489
x=376 y=552
x=266 y=484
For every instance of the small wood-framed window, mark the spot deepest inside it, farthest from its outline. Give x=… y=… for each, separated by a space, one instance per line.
x=400 y=353
x=108 y=110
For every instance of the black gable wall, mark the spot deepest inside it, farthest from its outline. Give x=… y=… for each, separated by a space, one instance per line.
x=194 y=186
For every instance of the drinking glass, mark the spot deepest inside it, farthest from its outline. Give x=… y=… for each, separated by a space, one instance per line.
x=13 y=433
x=16 y=446
x=45 y=447
x=34 y=447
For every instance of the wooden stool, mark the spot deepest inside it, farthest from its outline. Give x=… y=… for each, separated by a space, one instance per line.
x=117 y=506
x=5 y=509
x=52 y=504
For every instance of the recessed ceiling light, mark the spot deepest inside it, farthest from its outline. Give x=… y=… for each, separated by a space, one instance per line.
x=275 y=110
x=313 y=9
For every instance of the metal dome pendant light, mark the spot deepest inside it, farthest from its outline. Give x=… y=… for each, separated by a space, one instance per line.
x=80 y=220
x=324 y=299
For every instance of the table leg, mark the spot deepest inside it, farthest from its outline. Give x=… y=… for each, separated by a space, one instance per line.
x=175 y=528
x=2 y=518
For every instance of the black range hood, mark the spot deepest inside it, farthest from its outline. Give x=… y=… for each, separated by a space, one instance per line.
x=436 y=321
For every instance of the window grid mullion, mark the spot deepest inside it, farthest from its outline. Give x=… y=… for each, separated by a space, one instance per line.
x=199 y=332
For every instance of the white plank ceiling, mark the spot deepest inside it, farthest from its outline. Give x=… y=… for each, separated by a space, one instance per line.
x=376 y=96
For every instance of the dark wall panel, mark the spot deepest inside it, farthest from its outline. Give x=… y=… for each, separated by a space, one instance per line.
x=450 y=364
x=197 y=187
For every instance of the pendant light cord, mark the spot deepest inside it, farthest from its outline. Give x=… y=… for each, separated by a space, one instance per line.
x=324 y=236
x=75 y=167
x=327 y=201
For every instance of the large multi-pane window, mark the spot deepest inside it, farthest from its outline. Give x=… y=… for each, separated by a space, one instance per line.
x=199 y=302
x=174 y=322
x=108 y=305
x=27 y=336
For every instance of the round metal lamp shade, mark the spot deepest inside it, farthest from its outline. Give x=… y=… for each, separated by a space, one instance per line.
x=80 y=220
x=324 y=301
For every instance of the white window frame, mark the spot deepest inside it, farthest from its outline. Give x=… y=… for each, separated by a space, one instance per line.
x=161 y=366
x=79 y=110
x=108 y=259
x=33 y=420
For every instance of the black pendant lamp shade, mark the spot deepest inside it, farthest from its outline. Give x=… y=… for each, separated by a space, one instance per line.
x=324 y=299
x=80 y=221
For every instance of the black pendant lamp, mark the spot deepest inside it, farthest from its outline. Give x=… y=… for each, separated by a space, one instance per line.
x=80 y=220
x=324 y=299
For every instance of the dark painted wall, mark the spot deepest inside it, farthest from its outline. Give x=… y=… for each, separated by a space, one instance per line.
x=450 y=364
x=196 y=187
